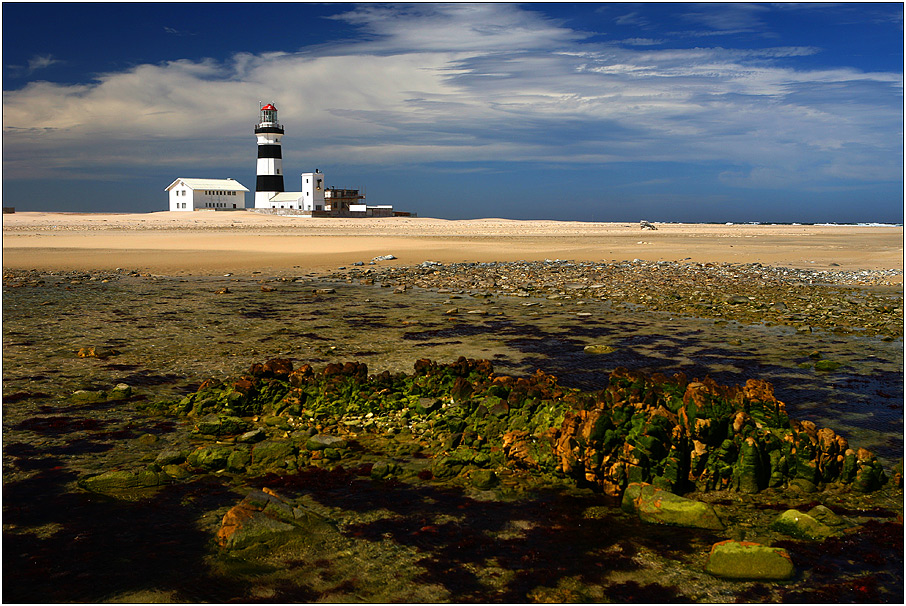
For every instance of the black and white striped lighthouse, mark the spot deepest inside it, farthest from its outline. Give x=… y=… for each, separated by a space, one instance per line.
x=270 y=156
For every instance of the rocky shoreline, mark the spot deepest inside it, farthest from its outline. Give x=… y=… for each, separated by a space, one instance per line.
x=839 y=301
x=394 y=486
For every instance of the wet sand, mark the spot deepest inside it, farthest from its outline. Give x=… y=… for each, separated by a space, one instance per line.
x=207 y=243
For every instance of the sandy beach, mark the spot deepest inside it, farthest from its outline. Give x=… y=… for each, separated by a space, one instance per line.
x=202 y=243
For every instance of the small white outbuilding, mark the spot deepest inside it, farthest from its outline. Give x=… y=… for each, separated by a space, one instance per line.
x=206 y=194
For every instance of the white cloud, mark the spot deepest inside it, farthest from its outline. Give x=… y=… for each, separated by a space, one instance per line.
x=471 y=83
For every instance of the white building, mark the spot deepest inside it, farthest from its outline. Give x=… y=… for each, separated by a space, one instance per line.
x=206 y=194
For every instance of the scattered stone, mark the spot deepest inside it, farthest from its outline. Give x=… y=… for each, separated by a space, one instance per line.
x=749 y=561
x=97 y=352
x=147 y=439
x=322 y=441
x=827 y=365
x=384 y=258
x=598 y=349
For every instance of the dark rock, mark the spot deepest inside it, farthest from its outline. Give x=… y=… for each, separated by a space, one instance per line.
x=264 y=517
x=170 y=457
x=737 y=300
x=427 y=405
x=249 y=437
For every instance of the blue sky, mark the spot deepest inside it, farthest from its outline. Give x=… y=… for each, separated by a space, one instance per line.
x=586 y=111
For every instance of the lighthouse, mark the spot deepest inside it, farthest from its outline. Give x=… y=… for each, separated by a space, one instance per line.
x=270 y=156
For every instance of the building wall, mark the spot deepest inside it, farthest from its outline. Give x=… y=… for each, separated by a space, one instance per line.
x=182 y=199
x=313 y=185
x=287 y=200
x=219 y=199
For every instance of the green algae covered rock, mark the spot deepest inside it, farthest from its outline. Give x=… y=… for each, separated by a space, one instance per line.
x=676 y=434
x=124 y=483
x=323 y=441
x=85 y=396
x=212 y=458
x=273 y=453
x=219 y=425
x=697 y=435
x=801 y=526
x=658 y=506
x=749 y=561
x=265 y=518
x=484 y=479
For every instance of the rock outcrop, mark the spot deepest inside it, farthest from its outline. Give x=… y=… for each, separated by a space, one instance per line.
x=675 y=434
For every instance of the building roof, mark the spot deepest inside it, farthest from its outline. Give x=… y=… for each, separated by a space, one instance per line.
x=269 y=106
x=223 y=184
x=286 y=196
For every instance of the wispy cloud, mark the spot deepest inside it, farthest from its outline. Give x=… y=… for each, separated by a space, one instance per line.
x=727 y=18
x=177 y=32
x=473 y=83
x=36 y=63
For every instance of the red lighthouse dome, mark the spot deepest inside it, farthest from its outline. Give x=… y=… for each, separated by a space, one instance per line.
x=269 y=106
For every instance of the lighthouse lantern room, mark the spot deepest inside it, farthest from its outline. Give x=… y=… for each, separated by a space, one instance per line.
x=269 y=132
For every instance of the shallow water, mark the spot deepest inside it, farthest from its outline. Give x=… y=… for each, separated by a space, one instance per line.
x=170 y=334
